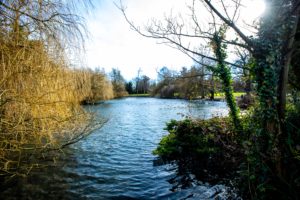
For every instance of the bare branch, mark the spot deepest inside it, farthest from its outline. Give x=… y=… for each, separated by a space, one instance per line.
x=231 y=24
x=173 y=37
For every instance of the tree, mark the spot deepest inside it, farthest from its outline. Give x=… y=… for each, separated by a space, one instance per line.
x=129 y=87
x=101 y=87
x=273 y=96
x=40 y=94
x=118 y=83
x=174 y=31
x=165 y=87
x=270 y=51
x=137 y=80
x=53 y=22
x=145 y=84
x=224 y=73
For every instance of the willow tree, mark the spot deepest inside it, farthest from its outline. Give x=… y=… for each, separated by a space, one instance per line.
x=39 y=93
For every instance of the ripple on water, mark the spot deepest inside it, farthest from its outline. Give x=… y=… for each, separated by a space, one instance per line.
x=116 y=161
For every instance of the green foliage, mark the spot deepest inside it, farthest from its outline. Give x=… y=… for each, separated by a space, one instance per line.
x=167 y=146
x=266 y=148
x=129 y=87
x=204 y=147
x=235 y=94
x=225 y=75
x=190 y=138
x=215 y=144
x=260 y=180
x=293 y=130
x=183 y=137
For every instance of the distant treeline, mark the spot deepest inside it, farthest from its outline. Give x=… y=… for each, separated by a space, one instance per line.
x=190 y=83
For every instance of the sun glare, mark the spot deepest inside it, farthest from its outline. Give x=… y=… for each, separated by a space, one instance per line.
x=255 y=8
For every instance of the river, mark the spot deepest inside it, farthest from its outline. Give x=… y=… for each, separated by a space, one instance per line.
x=116 y=161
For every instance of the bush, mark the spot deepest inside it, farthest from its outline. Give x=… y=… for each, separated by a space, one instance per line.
x=205 y=147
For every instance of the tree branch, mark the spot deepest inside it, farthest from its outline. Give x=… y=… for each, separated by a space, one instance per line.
x=164 y=36
x=247 y=40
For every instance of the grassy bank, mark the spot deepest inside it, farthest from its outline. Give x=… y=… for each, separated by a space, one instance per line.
x=138 y=95
x=221 y=95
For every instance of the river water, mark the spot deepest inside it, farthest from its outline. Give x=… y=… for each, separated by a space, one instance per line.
x=116 y=161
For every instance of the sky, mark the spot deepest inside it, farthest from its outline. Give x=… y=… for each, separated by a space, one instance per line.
x=113 y=44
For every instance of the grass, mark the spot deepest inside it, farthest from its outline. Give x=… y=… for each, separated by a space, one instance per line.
x=235 y=94
x=139 y=95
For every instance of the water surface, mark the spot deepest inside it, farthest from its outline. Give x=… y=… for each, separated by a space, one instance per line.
x=116 y=161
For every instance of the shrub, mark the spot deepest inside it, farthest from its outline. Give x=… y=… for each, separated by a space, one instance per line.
x=205 y=147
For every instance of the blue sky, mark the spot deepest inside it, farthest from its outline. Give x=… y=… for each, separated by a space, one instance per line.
x=113 y=44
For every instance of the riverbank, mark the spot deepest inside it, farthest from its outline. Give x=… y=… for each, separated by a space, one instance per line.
x=218 y=96
x=209 y=149
x=139 y=95
x=215 y=152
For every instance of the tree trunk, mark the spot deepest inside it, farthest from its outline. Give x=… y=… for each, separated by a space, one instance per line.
x=212 y=89
x=283 y=77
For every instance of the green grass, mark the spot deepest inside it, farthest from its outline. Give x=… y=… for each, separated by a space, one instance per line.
x=139 y=95
x=222 y=95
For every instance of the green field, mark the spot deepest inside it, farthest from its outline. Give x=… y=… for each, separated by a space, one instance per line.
x=139 y=95
x=235 y=94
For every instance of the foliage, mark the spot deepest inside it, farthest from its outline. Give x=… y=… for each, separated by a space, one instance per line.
x=235 y=94
x=139 y=95
x=99 y=86
x=258 y=177
x=191 y=83
x=118 y=83
x=39 y=102
x=294 y=74
x=129 y=87
x=225 y=75
x=268 y=152
x=40 y=95
x=206 y=147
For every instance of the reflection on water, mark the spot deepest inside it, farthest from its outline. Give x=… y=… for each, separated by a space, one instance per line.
x=116 y=162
